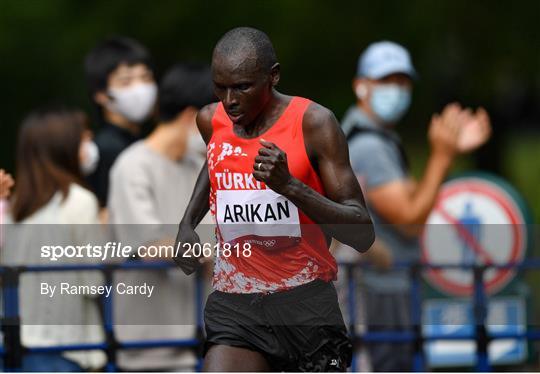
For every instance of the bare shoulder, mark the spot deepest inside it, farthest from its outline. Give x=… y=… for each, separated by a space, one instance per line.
x=204 y=121
x=318 y=117
x=321 y=130
x=207 y=112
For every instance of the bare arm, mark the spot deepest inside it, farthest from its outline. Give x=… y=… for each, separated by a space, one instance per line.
x=342 y=213
x=409 y=205
x=198 y=205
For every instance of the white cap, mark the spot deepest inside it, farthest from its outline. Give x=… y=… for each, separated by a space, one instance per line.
x=384 y=58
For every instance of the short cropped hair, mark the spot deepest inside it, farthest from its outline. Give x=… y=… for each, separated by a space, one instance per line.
x=241 y=39
x=108 y=55
x=184 y=85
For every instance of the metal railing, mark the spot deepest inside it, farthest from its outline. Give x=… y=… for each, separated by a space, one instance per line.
x=479 y=302
x=12 y=349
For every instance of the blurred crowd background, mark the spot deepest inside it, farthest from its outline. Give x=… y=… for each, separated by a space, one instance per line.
x=480 y=53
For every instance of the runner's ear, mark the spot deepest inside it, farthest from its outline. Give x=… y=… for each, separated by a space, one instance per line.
x=275 y=74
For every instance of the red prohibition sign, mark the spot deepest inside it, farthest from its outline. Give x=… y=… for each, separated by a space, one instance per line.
x=489 y=190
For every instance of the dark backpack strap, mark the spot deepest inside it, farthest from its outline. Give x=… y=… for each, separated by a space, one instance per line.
x=404 y=160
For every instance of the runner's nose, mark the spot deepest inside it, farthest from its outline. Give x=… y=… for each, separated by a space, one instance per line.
x=230 y=99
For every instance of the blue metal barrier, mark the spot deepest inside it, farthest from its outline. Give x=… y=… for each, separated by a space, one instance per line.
x=415 y=336
x=13 y=351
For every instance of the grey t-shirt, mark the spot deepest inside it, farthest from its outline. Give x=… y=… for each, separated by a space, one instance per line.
x=149 y=188
x=376 y=160
x=148 y=195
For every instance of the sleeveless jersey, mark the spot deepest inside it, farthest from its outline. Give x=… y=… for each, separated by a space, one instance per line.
x=287 y=249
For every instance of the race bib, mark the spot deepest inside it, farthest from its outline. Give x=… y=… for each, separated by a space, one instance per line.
x=261 y=217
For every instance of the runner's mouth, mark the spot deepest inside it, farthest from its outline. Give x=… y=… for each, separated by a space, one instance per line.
x=235 y=118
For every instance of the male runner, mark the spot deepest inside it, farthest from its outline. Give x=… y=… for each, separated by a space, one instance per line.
x=277 y=177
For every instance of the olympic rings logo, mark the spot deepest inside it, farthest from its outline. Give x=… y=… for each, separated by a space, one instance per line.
x=269 y=243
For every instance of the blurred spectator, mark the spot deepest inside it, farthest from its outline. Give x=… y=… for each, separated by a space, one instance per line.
x=53 y=206
x=399 y=205
x=6 y=183
x=121 y=83
x=151 y=183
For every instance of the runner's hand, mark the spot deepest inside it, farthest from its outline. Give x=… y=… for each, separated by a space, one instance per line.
x=186 y=234
x=271 y=167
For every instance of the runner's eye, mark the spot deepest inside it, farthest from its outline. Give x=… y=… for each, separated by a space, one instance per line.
x=243 y=86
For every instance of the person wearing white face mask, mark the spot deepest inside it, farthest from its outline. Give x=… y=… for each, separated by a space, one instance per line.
x=398 y=204
x=383 y=86
x=121 y=84
x=50 y=203
x=150 y=186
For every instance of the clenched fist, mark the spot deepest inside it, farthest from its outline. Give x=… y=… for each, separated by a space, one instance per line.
x=271 y=167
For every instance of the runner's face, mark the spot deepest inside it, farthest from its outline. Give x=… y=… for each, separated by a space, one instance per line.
x=242 y=86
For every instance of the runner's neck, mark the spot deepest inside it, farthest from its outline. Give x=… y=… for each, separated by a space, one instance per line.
x=268 y=117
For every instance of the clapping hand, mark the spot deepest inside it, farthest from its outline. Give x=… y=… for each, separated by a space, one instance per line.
x=459 y=130
x=474 y=132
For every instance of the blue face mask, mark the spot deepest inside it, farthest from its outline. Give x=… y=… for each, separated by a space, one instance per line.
x=390 y=102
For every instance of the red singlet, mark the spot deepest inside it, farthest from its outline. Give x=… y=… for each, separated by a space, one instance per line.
x=287 y=248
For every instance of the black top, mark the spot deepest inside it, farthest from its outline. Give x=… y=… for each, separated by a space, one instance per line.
x=110 y=140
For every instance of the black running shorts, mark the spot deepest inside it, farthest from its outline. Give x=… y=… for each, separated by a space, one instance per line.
x=296 y=330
